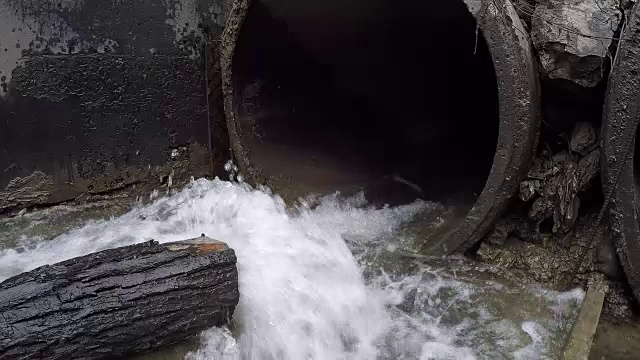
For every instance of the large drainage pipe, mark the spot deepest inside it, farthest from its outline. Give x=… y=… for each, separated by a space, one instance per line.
x=327 y=94
x=621 y=160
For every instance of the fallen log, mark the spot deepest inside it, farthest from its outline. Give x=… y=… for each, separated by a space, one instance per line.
x=118 y=302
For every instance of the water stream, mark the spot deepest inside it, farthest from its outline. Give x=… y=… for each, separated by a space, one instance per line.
x=335 y=280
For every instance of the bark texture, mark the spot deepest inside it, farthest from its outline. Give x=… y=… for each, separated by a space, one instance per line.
x=118 y=302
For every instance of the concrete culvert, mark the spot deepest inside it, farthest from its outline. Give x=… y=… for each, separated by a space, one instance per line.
x=621 y=159
x=396 y=98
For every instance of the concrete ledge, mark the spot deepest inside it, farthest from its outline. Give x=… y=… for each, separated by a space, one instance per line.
x=579 y=342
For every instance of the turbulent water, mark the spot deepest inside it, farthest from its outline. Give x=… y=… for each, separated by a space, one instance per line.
x=315 y=281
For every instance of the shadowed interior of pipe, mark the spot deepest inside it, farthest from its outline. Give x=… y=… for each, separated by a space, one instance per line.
x=368 y=92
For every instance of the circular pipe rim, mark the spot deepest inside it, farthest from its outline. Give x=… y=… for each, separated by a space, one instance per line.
x=519 y=116
x=619 y=125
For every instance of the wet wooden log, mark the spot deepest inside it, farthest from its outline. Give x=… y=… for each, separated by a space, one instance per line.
x=118 y=302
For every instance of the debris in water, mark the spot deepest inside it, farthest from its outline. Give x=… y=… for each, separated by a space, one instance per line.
x=555 y=181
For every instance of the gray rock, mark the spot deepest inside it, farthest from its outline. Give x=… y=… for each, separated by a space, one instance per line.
x=607 y=259
x=573 y=37
x=499 y=234
x=583 y=138
x=26 y=191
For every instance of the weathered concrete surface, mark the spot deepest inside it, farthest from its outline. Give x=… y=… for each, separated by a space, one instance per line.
x=573 y=37
x=140 y=27
x=519 y=97
x=118 y=302
x=97 y=94
x=620 y=120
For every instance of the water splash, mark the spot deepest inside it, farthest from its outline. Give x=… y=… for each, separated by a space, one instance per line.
x=303 y=293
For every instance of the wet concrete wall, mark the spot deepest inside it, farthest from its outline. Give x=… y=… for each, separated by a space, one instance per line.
x=97 y=95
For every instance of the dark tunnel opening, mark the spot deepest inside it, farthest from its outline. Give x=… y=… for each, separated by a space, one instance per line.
x=337 y=93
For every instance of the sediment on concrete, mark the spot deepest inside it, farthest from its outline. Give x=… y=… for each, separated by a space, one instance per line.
x=621 y=152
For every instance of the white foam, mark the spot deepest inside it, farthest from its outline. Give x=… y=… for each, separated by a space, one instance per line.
x=303 y=294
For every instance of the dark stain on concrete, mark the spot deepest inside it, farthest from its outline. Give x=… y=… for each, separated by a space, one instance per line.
x=84 y=112
x=95 y=120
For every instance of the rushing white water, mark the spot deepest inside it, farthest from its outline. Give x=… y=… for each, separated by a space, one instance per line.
x=304 y=294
